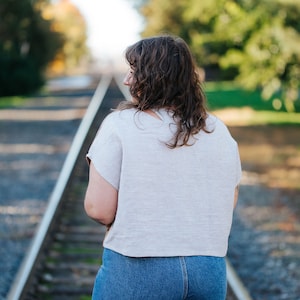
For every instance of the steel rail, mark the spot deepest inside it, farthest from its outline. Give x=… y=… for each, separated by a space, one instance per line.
x=235 y=283
x=24 y=273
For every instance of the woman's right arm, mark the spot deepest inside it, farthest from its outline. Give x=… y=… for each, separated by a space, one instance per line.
x=101 y=198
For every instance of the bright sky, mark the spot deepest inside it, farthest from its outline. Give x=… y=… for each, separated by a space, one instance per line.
x=112 y=26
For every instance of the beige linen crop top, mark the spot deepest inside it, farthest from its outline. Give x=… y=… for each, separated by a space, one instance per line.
x=171 y=202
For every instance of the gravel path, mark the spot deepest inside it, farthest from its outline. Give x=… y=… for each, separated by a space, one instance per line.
x=34 y=141
x=264 y=246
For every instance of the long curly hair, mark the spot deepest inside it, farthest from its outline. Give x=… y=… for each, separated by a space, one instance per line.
x=165 y=76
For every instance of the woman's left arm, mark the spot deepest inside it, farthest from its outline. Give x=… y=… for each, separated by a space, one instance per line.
x=101 y=198
x=236 y=195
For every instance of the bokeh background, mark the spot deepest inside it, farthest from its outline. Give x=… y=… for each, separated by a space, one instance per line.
x=248 y=55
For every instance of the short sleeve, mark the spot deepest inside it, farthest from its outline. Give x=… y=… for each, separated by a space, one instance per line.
x=106 y=152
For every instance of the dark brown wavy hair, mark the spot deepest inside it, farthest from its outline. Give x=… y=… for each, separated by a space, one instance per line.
x=165 y=76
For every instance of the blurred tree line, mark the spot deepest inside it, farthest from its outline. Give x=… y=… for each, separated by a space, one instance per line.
x=36 y=36
x=68 y=21
x=254 y=42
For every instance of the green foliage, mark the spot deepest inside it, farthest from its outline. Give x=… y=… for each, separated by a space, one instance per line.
x=192 y=20
x=270 y=56
x=255 y=42
x=27 y=45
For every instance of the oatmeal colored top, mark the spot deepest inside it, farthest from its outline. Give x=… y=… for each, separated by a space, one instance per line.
x=171 y=202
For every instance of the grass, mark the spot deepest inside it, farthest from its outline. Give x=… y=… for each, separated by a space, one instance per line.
x=247 y=116
x=87 y=297
x=224 y=95
x=233 y=104
x=236 y=106
x=272 y=117
x=6 y=102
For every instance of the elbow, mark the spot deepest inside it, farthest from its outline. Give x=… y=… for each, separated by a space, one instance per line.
x=97 y=214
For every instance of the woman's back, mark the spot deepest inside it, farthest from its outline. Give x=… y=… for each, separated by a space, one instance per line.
x=171 y=202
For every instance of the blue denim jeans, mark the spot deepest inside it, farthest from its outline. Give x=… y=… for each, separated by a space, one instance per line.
x=160 y=278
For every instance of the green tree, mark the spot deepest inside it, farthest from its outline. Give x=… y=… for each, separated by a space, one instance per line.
x=270 y=56
x=251 y=41
x=27 y=45
x=192 y=20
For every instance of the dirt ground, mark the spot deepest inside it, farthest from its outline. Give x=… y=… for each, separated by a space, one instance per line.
x=272 y=153
x=264 y=245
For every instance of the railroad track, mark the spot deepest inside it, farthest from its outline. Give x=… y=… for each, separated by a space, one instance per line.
x=65 y=253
